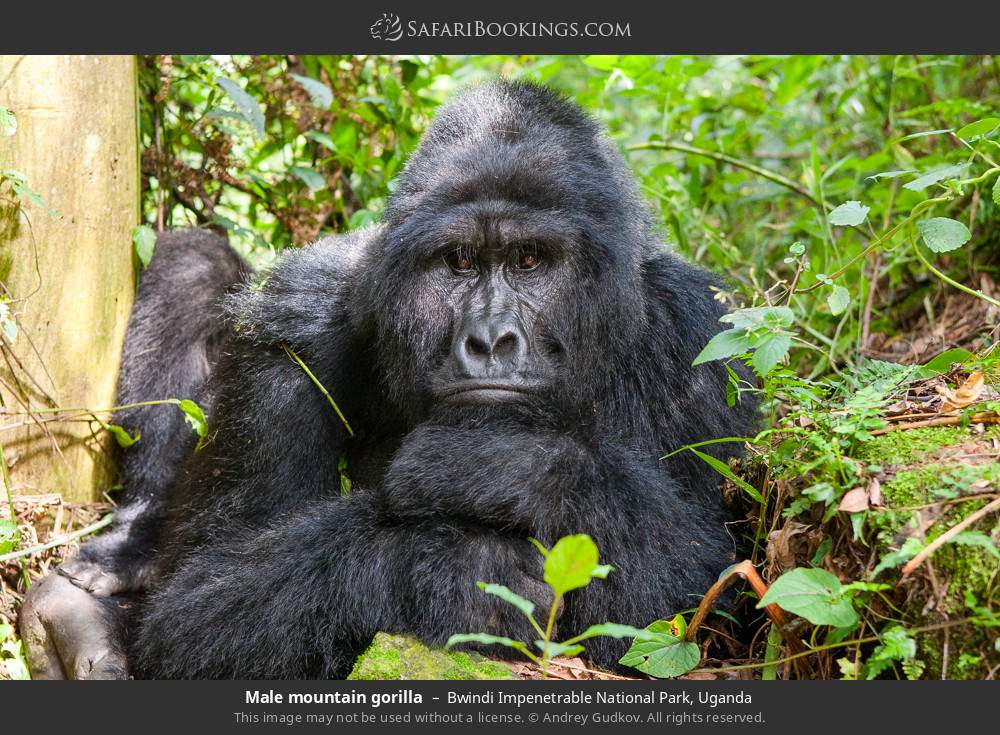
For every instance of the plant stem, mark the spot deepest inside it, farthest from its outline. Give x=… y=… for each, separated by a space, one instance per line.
x=10 y=506
x=322 y=389
x=548 y=634
x=950 y=281
x=732 y=161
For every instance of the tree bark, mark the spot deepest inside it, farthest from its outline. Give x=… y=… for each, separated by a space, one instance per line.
x=68 y=278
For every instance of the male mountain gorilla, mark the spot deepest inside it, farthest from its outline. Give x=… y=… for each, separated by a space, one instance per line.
x=512 y=348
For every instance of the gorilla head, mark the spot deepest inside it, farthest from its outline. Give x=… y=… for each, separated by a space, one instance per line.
x=510 y=270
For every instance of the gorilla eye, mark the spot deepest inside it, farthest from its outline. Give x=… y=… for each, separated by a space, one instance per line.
x=460 y=260
x=528 y=258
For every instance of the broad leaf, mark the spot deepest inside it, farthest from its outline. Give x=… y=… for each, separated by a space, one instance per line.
x=247 y=105
x=320 y=94
x=848 y=214
x=943 y=235
x=996 y=192
x=144 y=239
x=838 y=300
x=322 y=138
x=977 y=538
x=813 y=594
x=571 y=563
x=943 y=362
x=309 y=177
x=507 y=595
x=724 y=344
x=665 y=656
x=614 y=630
x=8 y=535
x=769 y=351
x=979 y=128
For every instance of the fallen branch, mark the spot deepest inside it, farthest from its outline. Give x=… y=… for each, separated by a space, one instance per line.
x=61 y=541
x=984 y=417
x=948 y=536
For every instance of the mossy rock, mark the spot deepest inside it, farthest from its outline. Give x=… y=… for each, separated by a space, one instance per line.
x=403 y=657
x=932 y=469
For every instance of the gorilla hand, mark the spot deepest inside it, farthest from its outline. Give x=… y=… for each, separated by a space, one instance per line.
x=70 y=634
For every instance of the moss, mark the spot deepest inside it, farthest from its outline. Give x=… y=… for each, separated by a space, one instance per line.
x=958 y=568
x=402 y=657
x=908 y=447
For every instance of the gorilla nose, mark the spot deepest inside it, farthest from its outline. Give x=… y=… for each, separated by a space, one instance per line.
x=492 y=348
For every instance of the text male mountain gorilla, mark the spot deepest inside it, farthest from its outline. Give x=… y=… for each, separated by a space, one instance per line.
x=512 y=348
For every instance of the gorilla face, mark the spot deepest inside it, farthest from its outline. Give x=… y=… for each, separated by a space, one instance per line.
x=509 y=252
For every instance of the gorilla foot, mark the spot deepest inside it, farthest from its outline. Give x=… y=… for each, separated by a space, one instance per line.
x=67 y=633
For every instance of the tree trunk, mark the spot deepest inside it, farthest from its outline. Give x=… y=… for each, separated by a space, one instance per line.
x=68 y=277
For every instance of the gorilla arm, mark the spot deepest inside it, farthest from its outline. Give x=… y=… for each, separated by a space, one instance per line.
x=302 y=598
x=666 y=551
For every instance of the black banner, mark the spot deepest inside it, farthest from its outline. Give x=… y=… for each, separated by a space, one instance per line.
x=345 y=706
x=516 y=26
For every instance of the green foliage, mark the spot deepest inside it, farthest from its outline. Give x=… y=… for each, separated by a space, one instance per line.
x=667 y=655
x=144 y=240
x=571 y=564
x=813 y=594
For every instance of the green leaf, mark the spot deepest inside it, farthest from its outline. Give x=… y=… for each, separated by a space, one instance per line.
x=838 y=300
x=813 y=594
x=723 y=469
x=507 y=595
x=891 y=174
x=322 y=138
x=551 y=650
x=247 y=105
x=194 y=416
x=848 y=214
x=942 y=234
x=910 y=548
x=664 y=656
x=769 y=351
x=309 y=177
x=320 y=94
x=976 y=538
x=979 y=128
x=939 y=173
x=121 y=436
x=488 y=640
x=571 y=563
x=996 y=192
x=8 y=122
x=144 y=240
x=943 y=362
x=9 y=535
x=614 y=630
x=725 y=344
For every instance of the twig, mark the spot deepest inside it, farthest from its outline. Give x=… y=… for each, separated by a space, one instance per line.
x=61 y=541
x=984 y=417
x=948 y=536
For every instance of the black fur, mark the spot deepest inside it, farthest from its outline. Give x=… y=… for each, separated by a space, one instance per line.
x=266 y=571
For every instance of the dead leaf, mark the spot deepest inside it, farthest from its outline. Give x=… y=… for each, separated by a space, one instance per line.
x=875 y=492
x=855 y=501
x=965 y=395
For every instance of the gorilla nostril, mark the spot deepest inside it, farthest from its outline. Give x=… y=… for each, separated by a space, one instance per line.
x=477 y=347
x=505 y=346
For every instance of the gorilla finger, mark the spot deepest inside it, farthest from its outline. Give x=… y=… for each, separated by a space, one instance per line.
x=92 y=577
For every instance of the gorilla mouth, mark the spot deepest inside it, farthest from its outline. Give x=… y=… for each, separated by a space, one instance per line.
x=484 y=391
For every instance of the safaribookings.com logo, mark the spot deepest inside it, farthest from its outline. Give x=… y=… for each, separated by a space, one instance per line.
x=390 y=28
